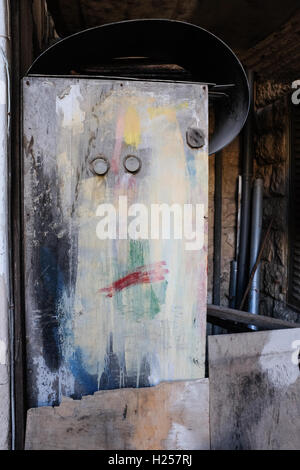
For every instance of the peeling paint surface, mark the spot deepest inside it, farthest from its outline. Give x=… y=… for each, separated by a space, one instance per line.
x=105 y=314
x=3 y=353
x=3 y=92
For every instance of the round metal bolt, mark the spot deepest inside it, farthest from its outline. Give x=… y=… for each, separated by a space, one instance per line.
x=195 y=137
x=132 y=163
x=100 y=166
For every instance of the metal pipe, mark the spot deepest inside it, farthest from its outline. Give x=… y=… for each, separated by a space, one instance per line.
x=217 y=229
x=217 y=235
x=6 y=318
x=234 y=264
x=256 y=228
x=238 y=218
x=232 y=283
x=246 y=196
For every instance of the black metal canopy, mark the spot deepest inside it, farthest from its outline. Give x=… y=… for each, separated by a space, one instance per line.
x=206 y=58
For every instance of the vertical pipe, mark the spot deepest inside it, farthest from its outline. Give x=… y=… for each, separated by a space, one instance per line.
x=238 y=219
x=234 y=264
x=5 y=279
x=217 y=230
x=217 y=234
x=256 y=227
x=246 y=197
x=232 y=283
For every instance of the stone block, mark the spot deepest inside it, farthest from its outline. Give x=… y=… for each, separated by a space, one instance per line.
x=172 y=415
x=270 y=148
x=254 y=390
x=268 y=91
x=278 y=181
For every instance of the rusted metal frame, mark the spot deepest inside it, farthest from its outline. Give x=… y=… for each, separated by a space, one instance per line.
x=17 y=9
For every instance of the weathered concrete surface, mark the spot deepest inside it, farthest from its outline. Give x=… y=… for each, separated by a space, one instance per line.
x=254 y=390
x=169 y=416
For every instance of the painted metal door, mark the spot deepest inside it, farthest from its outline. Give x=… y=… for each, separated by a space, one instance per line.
x=113 y=300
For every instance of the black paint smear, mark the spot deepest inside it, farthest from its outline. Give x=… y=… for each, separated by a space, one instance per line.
x=145 y=372
x=115 y=374
x=53 y=262
x=111 y=376
x=125 y=411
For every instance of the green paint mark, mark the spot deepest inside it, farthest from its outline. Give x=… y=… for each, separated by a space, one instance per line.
x=145 y=301
x=136 y=254
x=162 y=292
x=157 y=297
x=154 y=303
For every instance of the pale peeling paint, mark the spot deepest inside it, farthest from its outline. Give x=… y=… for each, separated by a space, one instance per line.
x=69 y=105
x=3 y=321
x=132 y=130
x=3 y=92
x=173 y=358
x=46 y=379
x=3 y=353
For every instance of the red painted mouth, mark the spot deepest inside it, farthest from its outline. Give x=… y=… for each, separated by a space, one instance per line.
x=143 y=275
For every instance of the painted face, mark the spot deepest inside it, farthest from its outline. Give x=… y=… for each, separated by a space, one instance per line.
x=135 y=312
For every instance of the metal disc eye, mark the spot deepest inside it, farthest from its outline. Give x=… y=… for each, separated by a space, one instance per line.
x=132 y=163
x=195 y=137
x=100 y=166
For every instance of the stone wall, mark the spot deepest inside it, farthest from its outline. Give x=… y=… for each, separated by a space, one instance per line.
x=271 y=162
x=272 y=159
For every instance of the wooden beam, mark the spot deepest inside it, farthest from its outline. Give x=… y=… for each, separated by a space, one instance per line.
x=229 y=315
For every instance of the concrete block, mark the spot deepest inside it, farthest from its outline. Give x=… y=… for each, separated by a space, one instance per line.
x=172 y=415
x=255 y=390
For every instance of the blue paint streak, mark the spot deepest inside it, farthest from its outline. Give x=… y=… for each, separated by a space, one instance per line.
x=190 y=160
x=87 y=382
